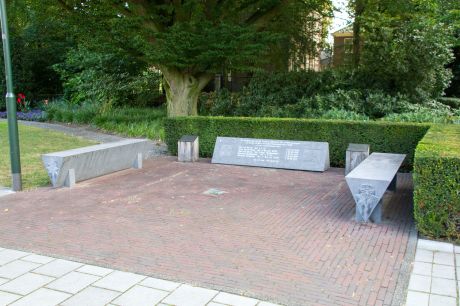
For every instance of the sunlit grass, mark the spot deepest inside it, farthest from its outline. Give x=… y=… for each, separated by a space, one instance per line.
x=33 y=143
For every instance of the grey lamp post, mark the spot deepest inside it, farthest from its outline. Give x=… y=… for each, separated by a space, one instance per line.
x=11 y=104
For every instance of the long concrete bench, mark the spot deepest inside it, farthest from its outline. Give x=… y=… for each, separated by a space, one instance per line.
x=65 y=168
x=369 y=181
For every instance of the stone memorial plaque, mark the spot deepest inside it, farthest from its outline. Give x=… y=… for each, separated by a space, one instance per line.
x=284 y=154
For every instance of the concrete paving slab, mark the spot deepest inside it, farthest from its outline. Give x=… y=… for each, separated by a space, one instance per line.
x=442 y=286
x=7 y=256
x=16 y=268
x=73 y=282
x=58 y=267
x=7 y=298
x=119 y=281
x=420 y=283
x=42 y=297
x=26 y=283
x=435 y=246
x=415 y=298
x=92 y=296
x=234 y=300
x=187 y=295
x=140 y=296
x=159 y=284
x=95 y=270
x=439 y=300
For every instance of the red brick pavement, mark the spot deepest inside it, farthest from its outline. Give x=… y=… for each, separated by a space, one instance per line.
x=284 y=236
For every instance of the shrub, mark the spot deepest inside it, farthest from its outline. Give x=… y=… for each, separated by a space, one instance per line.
x=437 y=183
x=382 y=136
x=452 y=102
x=132 y=122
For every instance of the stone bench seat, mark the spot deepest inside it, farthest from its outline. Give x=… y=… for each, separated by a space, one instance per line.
x=65 y=168
x=369 y=181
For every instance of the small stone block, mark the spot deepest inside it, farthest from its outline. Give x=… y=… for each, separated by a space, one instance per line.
x=138 y=161
x=188 y=149
x=355 y=154
x=70 y=179
x=393 y=183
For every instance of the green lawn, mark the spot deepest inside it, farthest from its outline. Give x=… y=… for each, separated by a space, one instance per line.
x=34 y=142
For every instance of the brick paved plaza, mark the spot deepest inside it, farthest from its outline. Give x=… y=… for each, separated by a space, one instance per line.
x=282 y=236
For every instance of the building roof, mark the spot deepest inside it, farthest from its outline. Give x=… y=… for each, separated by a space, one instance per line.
x=345 y=30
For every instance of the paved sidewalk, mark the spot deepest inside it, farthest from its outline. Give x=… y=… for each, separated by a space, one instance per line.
x=31 y=279
x=435 y=275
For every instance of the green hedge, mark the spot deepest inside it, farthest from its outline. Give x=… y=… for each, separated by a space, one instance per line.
x=382 y=136
x=437 y=183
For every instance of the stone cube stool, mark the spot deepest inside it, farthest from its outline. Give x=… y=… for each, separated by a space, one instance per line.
x=356 y=153
x=188 y=149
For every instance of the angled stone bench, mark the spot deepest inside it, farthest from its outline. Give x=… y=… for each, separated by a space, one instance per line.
x=65 y=168
x=369 y=181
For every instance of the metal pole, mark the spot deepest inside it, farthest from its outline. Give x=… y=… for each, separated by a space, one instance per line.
x=11 y=103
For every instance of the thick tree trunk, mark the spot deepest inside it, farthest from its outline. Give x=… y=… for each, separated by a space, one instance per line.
x=182 y=92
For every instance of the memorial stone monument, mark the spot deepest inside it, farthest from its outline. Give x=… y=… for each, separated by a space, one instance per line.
x=284 y=154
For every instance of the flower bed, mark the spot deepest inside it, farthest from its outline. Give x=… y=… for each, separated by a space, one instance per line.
x=33 y=115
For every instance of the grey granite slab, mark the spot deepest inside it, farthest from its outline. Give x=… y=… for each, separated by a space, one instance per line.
x=93 y=161
x=370 y=179
x=284 y=154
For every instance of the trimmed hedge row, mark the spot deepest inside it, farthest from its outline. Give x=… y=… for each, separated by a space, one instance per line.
x=382 y=136
x=437 y=183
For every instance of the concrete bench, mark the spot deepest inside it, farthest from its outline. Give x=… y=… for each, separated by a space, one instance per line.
x=68 y=167
x=369 y=181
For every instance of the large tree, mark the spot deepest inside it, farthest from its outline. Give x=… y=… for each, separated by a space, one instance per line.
x=189 y=40
x=403 y=46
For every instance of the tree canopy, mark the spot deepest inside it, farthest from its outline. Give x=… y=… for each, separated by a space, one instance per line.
x=190 y=40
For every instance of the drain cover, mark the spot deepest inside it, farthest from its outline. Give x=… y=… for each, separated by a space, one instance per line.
x=214 y=191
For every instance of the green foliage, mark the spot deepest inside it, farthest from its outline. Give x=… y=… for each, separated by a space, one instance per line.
x=437 y=183
x=382 y=136
x=37 y=43
x=108 y=77
x=191 y=40
x=452 y=102
x=309 y=94
x=132 y=122
x=404 y=46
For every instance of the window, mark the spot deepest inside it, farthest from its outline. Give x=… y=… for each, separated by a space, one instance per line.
x=348 y=45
